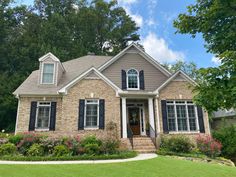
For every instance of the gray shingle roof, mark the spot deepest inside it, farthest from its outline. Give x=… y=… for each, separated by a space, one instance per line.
x=73 y=69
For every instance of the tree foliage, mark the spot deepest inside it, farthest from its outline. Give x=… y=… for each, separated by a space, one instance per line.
x=190 y=68
x=69 y=29
x=216 y=21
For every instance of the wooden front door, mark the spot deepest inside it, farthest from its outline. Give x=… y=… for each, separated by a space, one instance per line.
x=134 y=119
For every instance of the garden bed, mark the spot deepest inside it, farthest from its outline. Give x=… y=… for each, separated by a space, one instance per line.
x=120 y=155
x=197 y=158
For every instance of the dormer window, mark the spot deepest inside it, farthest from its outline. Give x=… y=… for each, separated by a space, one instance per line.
x=132 y=79
x=48 y=73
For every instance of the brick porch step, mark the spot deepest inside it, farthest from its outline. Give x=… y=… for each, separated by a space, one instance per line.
x=143 y=145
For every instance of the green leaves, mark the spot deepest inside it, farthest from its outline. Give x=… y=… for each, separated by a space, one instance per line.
x=69 y=29
x=216 y=21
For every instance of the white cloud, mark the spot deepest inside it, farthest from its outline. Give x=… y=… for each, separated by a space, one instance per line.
x=136 y=17
x=215 y=60
x=150 y=22
x=158 y=48
x=127 y=1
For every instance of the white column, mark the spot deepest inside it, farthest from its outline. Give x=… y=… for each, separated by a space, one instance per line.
x=151 y=113
x=158 y=115
x=124 y=119
x=17 y=115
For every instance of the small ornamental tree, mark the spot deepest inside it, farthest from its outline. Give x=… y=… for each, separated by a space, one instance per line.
x=208 y=145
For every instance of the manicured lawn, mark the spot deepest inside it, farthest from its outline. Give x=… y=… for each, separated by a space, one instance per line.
x=158 y=167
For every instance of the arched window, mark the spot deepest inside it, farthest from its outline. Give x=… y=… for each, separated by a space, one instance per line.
x=132 y=79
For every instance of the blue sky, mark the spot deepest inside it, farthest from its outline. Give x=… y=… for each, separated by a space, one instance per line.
x=155 y=19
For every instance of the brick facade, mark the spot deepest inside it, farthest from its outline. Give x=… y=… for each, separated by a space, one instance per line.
x=68 y=107
x=178 y=90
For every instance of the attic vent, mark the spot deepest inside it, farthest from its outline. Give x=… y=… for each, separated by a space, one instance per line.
x=91 y=53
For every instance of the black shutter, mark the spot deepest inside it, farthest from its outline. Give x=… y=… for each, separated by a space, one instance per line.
x=141 y=80
x=200 y=119
x=33 y=110
x=53 y=116
x=101 y=114
x=81 y=114
x=123 y=79
x=164 y=116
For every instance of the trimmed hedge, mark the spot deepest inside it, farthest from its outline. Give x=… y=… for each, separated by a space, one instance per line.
x=120 y=155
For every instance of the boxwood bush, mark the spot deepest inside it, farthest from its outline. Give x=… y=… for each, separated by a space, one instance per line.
x=8 y=149
x=35 y=150
x=177 y=143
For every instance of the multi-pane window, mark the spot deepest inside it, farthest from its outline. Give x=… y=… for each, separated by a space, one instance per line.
x=181 y=116
x=48 y=73
x=43 y=115
x=91 y=113
x=132 y=79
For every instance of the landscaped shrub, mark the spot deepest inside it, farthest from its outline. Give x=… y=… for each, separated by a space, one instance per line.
x=49 y=143
x=35 y=150
x=61 y=150
x=208 y=145
x=178 y=144
x=110 y=146
x=15 y=139
x=72 y=144
x=91 y=145
x=227 y=137
x=28 y=140
x=7 y=149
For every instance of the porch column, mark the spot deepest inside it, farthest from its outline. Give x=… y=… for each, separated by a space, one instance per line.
x=151 y=113
x=124 y=119
x=157 y=115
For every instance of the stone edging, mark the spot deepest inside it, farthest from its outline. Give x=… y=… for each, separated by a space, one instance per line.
x=137 y=158
x=206 y=160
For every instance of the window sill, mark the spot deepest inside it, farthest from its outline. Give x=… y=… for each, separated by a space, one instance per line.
x=183 y=132
x=42 y=130
x=133 y=89
x=91 y=128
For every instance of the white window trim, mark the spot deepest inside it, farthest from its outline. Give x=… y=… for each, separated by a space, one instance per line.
x=36 y=120
x=187 y=116
x=127 y=80
x=85 y=108
x=54 y=68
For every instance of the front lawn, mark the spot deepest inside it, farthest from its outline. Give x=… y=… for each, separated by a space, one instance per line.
x=158 y=167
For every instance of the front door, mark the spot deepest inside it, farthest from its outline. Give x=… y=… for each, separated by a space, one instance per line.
x=134 y=119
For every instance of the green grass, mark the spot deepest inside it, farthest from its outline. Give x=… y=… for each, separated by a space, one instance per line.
x=158 y=167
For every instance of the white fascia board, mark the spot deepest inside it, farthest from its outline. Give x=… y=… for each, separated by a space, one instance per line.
x=189 y=79
x=80 y=77
x=142 y=53
x=53 y=57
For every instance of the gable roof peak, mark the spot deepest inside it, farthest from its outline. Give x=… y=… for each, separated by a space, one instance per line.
x=49 y=55
x=142 y=53
x=183 y=74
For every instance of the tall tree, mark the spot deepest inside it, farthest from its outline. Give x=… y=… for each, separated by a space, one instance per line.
x=190 y=68
x=69 y=29
x=216 y=21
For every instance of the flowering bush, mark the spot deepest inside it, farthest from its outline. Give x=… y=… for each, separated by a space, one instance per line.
x=28 y=140
x=208 y=145
x=49 y=143
x=73 y=144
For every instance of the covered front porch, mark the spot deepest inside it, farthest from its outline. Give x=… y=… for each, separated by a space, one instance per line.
x=139 y=117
